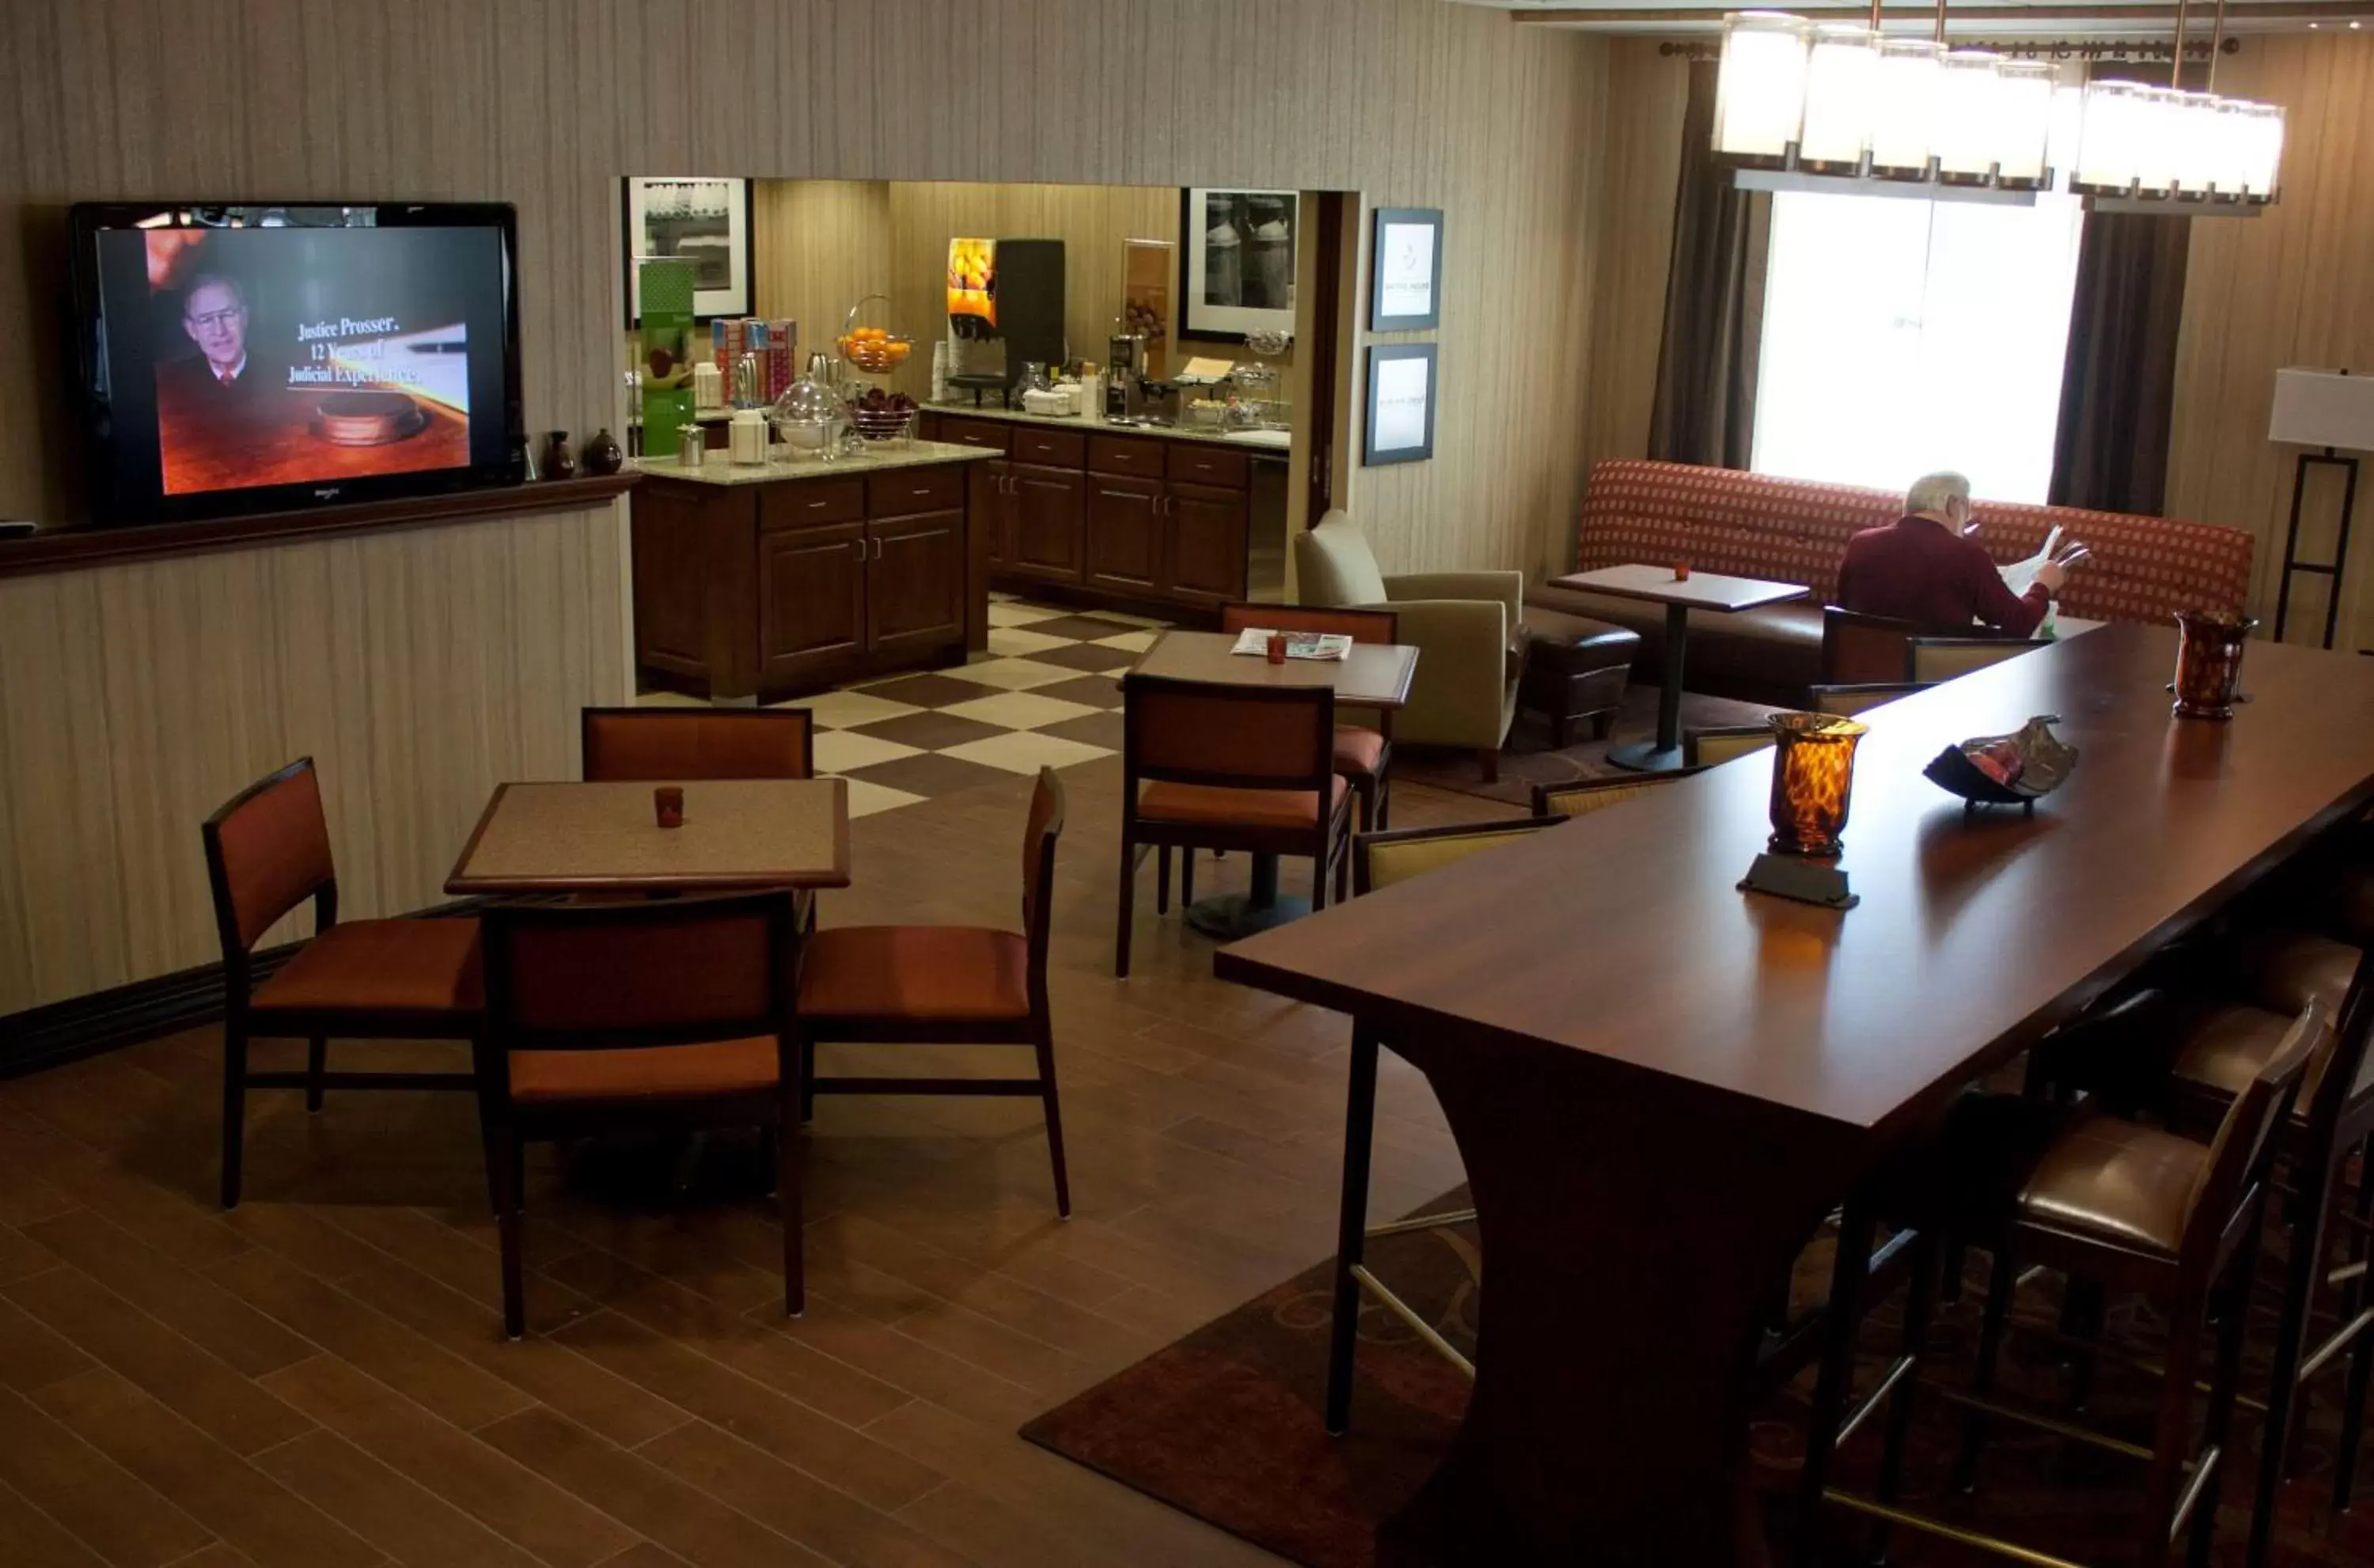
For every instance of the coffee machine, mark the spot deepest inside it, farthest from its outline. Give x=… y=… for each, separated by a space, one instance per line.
x=1125 y=377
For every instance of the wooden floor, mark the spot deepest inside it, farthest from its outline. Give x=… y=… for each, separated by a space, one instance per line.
x=320 y=1378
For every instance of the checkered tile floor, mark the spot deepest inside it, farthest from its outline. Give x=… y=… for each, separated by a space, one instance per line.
x=1045 y=695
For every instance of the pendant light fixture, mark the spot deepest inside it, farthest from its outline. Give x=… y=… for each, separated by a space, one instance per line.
x=2167 y=151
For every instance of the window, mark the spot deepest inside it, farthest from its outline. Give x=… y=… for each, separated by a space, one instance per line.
x=1905 y=337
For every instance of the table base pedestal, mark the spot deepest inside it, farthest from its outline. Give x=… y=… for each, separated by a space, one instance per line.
x=1647 y=756
x=1232 y=916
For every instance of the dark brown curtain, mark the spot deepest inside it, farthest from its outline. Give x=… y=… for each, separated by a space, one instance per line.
x=2117 y=380
x=1705 y=408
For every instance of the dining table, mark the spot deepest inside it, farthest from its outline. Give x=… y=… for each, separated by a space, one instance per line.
x=736 y=835
x=1659 y=1083
x=1370 y=674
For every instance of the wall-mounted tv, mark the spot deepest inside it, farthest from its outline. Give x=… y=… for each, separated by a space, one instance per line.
x=258 y=358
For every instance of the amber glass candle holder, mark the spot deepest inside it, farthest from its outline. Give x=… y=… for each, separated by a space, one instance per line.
x=2209 y=663
x=1812 y=778
x=668 y=804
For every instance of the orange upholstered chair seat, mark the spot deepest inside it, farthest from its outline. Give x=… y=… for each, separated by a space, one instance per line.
x=1162 y=800
x=951 y=972
x=1358 y=750
x=650 y=1072
x=422 y=968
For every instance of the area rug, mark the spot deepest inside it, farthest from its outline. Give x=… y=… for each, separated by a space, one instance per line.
x=1226 y=1425
x=1529 y=758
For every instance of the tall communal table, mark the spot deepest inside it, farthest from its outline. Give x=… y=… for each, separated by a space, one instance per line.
x=1711 y=592
x=1371 y=674
x=1659 y=1083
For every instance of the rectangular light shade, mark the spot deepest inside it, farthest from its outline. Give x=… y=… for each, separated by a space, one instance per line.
x=2024 y=123
x=1904 y=105
x=2322 y=408
x=1760 y=93
x=1968 y=112
x=1839 y=76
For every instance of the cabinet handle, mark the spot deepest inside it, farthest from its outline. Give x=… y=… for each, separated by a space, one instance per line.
x=818 y=506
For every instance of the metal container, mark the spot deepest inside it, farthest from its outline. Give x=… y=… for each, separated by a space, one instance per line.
x=691 y=447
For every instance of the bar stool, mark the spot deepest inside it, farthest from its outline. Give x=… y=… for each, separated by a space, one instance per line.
x=2130 y=1207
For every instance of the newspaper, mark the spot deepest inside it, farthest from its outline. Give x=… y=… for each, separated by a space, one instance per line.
x=1255 y=641
x=2020 y=576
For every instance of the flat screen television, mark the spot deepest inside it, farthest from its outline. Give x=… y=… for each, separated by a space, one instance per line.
x=260 y=358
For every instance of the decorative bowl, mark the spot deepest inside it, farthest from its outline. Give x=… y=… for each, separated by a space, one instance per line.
x=2017 y=769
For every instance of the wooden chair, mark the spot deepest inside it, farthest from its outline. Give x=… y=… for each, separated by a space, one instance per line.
x=2125 y=1207
x=1860 y=649
x=1380 y=861
x=1211 y=767
x=1705 y=748
x=1928 y=660
x=945 y=984
x=267 y=851
x=668 y=746
x=1597 y=795
x=1847 y=701
x=650 y=1016
x=1363 y=750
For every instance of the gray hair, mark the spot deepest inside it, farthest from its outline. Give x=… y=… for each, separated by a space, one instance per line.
x=1935 y=492
x=213 y=280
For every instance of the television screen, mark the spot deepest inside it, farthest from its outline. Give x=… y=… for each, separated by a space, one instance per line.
x=251 y=358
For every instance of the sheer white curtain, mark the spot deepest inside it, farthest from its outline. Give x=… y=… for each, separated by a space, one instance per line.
x=1906 y=336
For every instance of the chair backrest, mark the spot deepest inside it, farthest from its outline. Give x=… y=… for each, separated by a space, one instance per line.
x=2343 y=1094
x=1332 y=564
x=1040 y=833
x=1598 y=794
x=1381 y=859
x=2223 y=1203
x=1847 y=701
x=1360 y=626
x=1704 y=748
x=581 y=977
x=661 y=745
x=1857 y=649
x=1928 y=660
x=267 y=851
x=1239 y=737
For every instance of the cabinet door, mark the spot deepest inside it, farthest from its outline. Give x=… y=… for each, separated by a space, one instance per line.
x=1124 y=533
x=811 y=604
x=1048 y=523
x=1207 y=528
x=987 y=493
x=914 y=588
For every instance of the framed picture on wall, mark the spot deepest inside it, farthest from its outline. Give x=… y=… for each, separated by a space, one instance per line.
x=1236 y=262
x=1405 y=282
x=705 y=221
x=1401 y=403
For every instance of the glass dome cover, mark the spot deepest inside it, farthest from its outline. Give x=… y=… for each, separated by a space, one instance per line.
x=808 y=404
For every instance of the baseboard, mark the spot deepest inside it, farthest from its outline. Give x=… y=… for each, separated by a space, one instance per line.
x=61 y=1032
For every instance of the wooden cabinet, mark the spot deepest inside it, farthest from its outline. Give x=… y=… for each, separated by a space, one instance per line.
x=1206 y=535
x=1124 y=542
x=1047 y=520
x=914 y=584
x=812 y=603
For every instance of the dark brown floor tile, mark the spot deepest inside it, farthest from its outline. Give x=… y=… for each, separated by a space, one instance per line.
x=104 y=1506
x=341 y=1324
x=183 y=1299
x=929 y=691
x=1090 y=691
x=31 y=1354
x=1086 y=656
x=173 y=1221
x=1078 y=628
x=1092 y=730
x=512 y=1500
x=677 y=1516
x=643 y=1555
x=930 y=731
x=910 y=1364
x=215 y=1486
x=410 y=1524
x=792 y=1502
x=203 y=1388
x=26 y=1196
x=931 y=774
x=30 y=1537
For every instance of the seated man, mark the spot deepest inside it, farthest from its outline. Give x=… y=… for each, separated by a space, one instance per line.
x=1922 y=568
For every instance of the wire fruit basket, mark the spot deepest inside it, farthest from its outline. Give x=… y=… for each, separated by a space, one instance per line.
x=875 y=350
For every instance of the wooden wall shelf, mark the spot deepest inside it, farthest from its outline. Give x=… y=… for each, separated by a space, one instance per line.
x=80 y=547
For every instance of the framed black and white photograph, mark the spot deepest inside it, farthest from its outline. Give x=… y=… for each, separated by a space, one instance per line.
x=704 y=221
x=1406 y=285
x=1401 y=403
x=1236 y=262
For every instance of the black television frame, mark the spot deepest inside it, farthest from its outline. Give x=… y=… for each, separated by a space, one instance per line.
x=110 y=507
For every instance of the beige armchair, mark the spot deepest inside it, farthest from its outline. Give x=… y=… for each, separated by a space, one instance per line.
x=1464 y=624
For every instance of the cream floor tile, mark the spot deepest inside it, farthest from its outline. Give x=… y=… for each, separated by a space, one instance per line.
x=670 y=699
x=1018 y=710
x=1014 y=641
x=1136 y=642
x=837 y=751
x=1015 y=674
x=866 y=798
x=999 y=596
x=1012 y=613
x=848 y=709
x=1026 y=751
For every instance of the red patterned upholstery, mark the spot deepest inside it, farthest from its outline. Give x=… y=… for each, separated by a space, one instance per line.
x=1720 y=519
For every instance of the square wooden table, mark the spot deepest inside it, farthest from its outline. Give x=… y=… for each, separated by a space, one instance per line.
x=1699 y=591
x=1371 y=674
x=738 y=834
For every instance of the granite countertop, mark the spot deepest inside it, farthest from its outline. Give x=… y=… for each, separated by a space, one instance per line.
x=1273 y=441
x=717 y=470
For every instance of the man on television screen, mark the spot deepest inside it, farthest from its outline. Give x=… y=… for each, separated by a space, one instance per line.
x=214 y=315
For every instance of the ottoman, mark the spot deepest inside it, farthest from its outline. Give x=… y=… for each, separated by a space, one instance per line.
x=1577 y=673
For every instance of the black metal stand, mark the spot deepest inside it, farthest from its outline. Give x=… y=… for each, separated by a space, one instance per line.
x=2332 y=570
